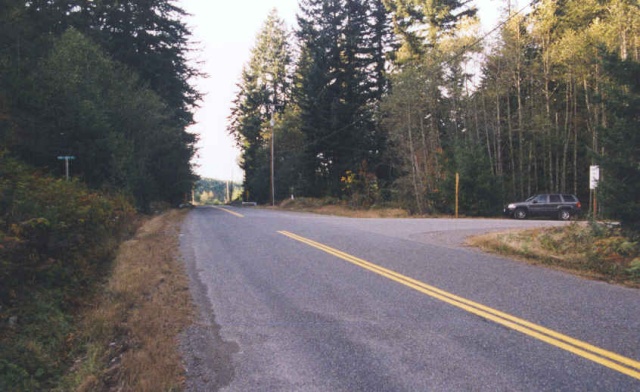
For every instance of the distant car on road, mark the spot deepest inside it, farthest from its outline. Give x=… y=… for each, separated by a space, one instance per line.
x=554 y=205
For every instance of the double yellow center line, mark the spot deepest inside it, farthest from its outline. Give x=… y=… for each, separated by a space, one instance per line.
x=229 y=212
x=614 y=361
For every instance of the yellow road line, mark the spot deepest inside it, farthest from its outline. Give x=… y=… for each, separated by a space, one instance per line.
x=229 y=212
x=601 y=356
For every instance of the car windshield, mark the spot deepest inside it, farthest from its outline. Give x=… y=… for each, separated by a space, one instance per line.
x=531 y=198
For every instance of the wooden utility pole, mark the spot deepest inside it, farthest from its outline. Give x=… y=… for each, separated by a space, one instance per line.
x=273 y=185
x=457 y=192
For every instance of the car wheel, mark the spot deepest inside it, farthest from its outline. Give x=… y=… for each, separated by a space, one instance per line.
x=520 y=213
x=564 y=215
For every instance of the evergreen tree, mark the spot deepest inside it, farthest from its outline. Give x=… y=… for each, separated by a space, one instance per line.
x=339 y=82
x=95 y=109
x=422 y=23
x=151 y=41
x=263 y=96
x=620 y=163
x=150 y=37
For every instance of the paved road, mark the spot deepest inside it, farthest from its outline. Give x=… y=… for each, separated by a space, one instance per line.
x=300 y=302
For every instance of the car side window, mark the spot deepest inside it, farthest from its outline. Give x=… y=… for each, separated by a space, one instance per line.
x=541 y=199
x=569 y=198
x=554 y=199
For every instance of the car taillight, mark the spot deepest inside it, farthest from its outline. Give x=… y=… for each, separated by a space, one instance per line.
x=579 y=205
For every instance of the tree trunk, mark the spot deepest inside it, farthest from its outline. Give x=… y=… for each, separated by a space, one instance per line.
x=575 y=141
x=498 y=142
x=414 y=169
x=425 y=154
x=567 y=135
x=487 y=135
x=512 y=159
x=520 y=137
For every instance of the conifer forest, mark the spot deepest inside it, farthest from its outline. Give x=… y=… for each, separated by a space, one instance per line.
x=105 y=82
x=384 y=101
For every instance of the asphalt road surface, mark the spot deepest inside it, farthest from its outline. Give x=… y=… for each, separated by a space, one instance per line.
x=301 y=302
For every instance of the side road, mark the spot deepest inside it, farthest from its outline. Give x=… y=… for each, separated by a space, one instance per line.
x=308 y=302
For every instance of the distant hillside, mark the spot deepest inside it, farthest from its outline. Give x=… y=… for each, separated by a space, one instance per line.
x=210 y=191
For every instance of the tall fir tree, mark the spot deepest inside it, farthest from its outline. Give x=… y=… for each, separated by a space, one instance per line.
x=263 y=96
x=620 y=160
x=340 y=79
x=148 y=38
x=421 y=23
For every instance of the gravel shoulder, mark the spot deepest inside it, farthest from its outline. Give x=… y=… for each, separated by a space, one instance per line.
x=207 y=357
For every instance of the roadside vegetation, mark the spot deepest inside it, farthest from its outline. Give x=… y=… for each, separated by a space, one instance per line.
x=127 y=339
x=98 y=93
x=65 y=304
x=57 y=240
x=391 y=100
x=590 y=249
x=331 y=206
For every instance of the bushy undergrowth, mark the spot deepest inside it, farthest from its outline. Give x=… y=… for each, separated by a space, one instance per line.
x=337 y=207
x=56 y=239
x=595 y=249
x=607 y=250
x=309 y=202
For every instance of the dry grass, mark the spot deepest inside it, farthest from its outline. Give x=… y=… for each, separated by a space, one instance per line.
x=356 y=213
x=337 y=208
x=130 y=337
x=575 y=249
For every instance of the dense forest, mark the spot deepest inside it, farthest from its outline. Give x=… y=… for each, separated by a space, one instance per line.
x=383 y=101
x=105 y=82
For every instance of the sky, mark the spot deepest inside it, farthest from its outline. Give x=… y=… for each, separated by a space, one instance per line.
x=224 y=33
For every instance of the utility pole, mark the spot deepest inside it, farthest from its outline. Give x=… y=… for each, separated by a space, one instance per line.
x=273 y=138
x=457 y=192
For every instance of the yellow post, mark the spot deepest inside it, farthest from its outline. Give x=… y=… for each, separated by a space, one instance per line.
x=457 y=192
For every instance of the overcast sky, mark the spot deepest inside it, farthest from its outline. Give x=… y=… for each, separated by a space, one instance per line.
x=225 y=32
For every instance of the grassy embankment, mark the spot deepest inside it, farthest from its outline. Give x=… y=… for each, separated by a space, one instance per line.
x=329 y=206
x=591 y=250
x=65 y=304
x=129 y=338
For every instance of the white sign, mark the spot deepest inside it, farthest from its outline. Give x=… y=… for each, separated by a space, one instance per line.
x=594 y=176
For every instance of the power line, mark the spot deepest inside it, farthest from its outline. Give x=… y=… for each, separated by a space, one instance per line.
x=498 y=26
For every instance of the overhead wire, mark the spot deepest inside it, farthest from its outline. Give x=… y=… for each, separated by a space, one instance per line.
x=485 y=36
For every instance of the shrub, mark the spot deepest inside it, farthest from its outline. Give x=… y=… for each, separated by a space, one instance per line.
x=56 y=239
